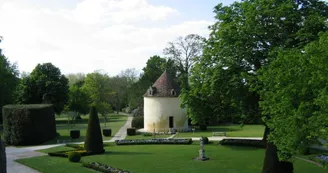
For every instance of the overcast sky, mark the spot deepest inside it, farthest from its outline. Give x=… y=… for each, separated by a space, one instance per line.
x=86 y=35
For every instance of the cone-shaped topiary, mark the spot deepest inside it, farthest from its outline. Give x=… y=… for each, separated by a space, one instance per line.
x=3 y=168
x=93 y=141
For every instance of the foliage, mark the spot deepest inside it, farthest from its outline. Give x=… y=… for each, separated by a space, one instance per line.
x=138 y=122
x=98 y=88
x=294 y=96
x=75 y=78
x=9 y=81
x=184 y=52
x=152 y=141
x=28 y=124
x=107 y=132
x=78 y=99
x=75 y=134
x=74 y=156
x=243 y=143
x=3 y=162
x=45 y=84
x=102 y=168
x=131 y=131
x=94 y=142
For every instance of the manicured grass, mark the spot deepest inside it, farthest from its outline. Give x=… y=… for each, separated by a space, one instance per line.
x=115 y=123
x=146 y=137
x=167 y=158
x=232 y=131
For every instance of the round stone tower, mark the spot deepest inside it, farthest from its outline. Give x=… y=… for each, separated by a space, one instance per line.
x=162 y=110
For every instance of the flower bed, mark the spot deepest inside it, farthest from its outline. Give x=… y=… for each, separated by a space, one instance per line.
x=243 y=142
x=322 y=159
x=153 y=141
x=103 y=168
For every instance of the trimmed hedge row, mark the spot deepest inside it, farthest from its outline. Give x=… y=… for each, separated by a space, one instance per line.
x=28 y=124
x=153 y=141
x=243 y=142
x=103 y=168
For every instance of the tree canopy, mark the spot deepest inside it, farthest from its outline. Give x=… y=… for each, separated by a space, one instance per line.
x=45 y=84
x=295 y=96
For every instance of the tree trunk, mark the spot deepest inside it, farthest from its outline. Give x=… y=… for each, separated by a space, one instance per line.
x=271 y=162
x=3 y=164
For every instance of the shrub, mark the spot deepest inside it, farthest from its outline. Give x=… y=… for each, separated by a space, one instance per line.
x=75 y=134
x=205 y=140
x=243 y=142
x=138 y=122
x=131 y=131
x=3 y=163
x=93 y=140
x=203 y=127
x=153 y=141
x=107 y=132
x=74 y=156
x=102 y=168
x=28 y=124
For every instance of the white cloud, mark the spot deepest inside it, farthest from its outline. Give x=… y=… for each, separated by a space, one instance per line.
x=97 y=34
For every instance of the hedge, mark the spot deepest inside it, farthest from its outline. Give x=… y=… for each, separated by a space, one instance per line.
x=93 y=139
x=243 y=142
x=131 y=131
x=138 y=122
x=153 y=141
x=28 y=124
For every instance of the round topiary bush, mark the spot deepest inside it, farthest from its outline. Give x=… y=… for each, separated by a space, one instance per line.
x=74 y=156
x=107 y=132
x=138 y=122
x=75 y=134
x=131 y=131
x=205 y=140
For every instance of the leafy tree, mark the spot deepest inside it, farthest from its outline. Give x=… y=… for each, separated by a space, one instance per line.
x=245 y=38
x=78 y=99
x=295 y=96
x=93 y=139
x=99 y=90
x=45 y=84
x=184 y=51
x=9 y=81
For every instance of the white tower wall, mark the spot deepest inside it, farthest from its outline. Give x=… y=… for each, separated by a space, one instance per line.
x=158 y=110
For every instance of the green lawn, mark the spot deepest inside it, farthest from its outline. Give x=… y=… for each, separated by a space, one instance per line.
x=167 y=158
x=115 y=123
x=232 y=131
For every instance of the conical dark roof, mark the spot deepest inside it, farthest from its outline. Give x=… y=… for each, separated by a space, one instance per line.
x=164 y=86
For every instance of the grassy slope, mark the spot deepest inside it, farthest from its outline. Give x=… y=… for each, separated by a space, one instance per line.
x=167 y=158
x=232 y=131
x=115 y=123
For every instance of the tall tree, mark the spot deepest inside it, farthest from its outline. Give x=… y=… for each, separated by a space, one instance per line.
x=45 y=84
x=9 y=81
x=295 y=96
x=98 y=87
x=245 y=38
x=78 y=99
x=184 y=51
x=75 y=78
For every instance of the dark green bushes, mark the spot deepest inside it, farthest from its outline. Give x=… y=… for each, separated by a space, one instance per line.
x=74 y=156
x=138 y=122
x=75 y=134
x=3 y=163
x=93 y=141
x=243 y=142
x=107 y=132
x=131 y=131
x=205 y=140
x=28 y=124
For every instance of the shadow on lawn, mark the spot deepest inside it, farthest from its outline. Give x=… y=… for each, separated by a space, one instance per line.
x=218 y=129
x=85 y=121
x=124 y=153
